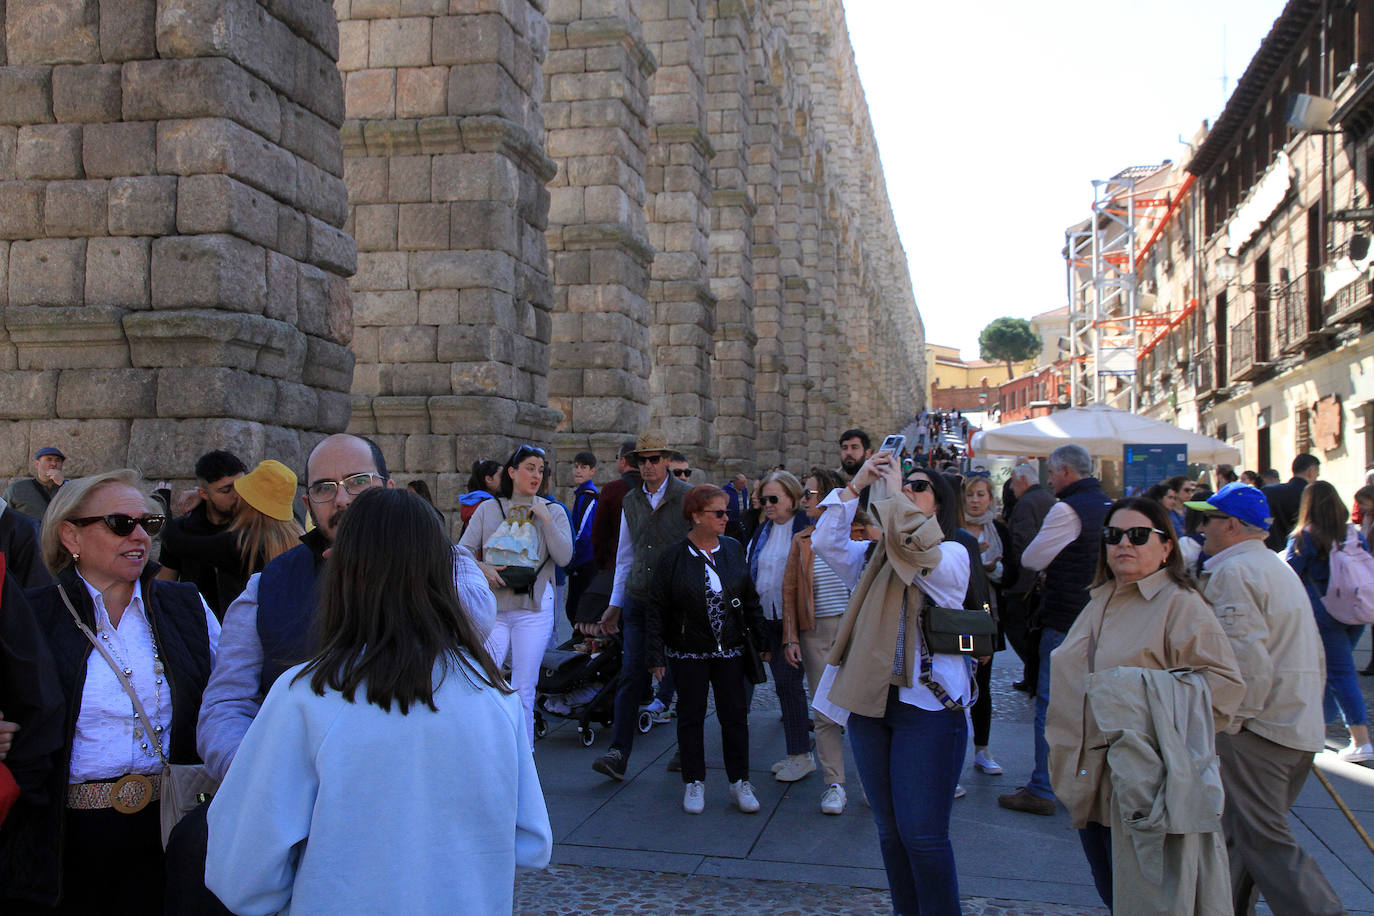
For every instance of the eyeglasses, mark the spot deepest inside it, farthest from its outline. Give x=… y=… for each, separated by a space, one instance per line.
x=1214 y=516
x=123 y=525
x=652 y=459
x=324 y=491
x=684 y=473
x=1137 y=536
x=718 y=513
x=916 y=485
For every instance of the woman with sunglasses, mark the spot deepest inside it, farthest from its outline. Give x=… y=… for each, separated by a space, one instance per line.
x=524 y=619
x=780 y=495
x=904 y=708
x=701 y=602
x=1144 y=612
x=978 y=516
x=109 y=621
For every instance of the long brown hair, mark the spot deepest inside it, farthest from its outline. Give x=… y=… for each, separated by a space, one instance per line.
x=389 y=611
x=1159 y=519
x=1323 y=515
x=262 y=538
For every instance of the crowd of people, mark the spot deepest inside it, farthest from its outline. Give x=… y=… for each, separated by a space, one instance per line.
x=195 y=687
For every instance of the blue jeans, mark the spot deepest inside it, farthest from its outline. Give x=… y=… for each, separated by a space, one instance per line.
x=634 y=678
x=1039 y=784
x=909 y=762
x=1343 y=701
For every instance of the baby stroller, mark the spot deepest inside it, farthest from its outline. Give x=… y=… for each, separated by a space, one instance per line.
x=577 y=680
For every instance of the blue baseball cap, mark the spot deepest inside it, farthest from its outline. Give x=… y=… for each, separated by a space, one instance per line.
x=1238 y=500
x=48 y=450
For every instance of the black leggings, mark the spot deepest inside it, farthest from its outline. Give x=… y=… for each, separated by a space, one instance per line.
x=981 y=713
x=725 y=678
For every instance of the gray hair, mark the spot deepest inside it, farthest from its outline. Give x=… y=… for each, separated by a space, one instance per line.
x=1026 y=473
x=1074 y=457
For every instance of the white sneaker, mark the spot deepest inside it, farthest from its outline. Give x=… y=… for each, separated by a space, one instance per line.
x=777 y=767
x=743 y=794
x=982 y=760
x=959 y=792
x=832 y=802
x=655 y=707
x=694 y=797
x=1356 y=753
x=795 y=767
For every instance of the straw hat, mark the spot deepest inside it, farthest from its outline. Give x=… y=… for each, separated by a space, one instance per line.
x=651 y=441
x=270 y=488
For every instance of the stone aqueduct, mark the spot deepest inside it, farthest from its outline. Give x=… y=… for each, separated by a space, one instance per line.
x=563 y=220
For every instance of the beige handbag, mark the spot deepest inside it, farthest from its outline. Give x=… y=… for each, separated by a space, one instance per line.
x=184 y=786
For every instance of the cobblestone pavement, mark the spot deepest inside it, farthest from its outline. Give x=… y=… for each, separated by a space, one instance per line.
x=567 y=890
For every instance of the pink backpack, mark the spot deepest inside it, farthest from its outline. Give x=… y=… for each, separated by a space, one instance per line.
x=1350 y=593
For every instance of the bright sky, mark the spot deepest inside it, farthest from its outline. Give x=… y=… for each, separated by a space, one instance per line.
x=993 y=119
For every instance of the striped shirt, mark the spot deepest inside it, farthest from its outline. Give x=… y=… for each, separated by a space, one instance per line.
x=832 y=596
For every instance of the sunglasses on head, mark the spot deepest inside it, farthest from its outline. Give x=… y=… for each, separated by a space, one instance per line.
x=916 y=485
x=684 y=473
x=123 y=525
x=1137 y=536
x=526 y=451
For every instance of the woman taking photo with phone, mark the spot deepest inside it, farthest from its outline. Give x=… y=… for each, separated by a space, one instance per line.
x=519 y=515
x=402 y=704
x=903 y=706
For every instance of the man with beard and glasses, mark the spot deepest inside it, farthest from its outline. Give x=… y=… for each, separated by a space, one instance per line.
x=267 y=629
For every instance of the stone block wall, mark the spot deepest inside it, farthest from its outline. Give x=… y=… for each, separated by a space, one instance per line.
x=172 y=260
x=446 y=173
x=573 y=219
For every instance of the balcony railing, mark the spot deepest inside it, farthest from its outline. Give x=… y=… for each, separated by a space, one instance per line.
x=1249 y=347
x=1296 y=307
x=1352 y=304
x=1204 y=379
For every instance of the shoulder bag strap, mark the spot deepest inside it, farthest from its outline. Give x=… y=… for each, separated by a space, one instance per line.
x=119 y=673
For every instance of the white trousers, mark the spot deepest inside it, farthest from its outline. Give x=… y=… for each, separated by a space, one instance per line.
x=525 y=635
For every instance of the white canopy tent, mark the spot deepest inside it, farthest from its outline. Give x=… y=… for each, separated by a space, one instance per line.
x=1102 y=430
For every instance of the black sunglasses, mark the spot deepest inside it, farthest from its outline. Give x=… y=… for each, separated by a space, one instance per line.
x=917 y=484
x=684 y=473
x=771 y=500
x=718 y=513
x=653 y=459
x=1137 y=536
x=526 y=451
x=1214 y=516
x=123 y=525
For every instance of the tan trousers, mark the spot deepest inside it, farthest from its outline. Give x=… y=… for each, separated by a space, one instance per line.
x=815 y=647
x=1262 y=781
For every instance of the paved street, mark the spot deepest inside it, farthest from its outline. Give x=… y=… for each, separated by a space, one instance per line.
x=627 y=847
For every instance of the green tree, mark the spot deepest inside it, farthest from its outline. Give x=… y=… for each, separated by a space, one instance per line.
x=1008 y=340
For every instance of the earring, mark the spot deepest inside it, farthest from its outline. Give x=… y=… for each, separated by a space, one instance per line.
x=76 y=557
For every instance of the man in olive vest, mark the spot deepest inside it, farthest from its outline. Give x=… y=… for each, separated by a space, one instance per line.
x=651 y=520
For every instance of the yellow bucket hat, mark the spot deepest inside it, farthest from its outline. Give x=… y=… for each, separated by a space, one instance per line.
x=270 y=488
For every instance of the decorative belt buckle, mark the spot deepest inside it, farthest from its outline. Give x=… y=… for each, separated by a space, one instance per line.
x=131 y=793
x=965 y=642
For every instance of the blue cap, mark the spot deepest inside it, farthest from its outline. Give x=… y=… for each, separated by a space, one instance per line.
x=48 y=450
x=1238 y=500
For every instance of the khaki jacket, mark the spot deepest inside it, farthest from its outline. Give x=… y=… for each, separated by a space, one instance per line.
x=1264 y=609
x=798 y=587
x=1168 y=852
x=1153 y=623
x=865 y=644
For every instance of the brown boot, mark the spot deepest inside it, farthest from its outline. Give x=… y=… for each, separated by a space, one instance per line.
x=1022 y=800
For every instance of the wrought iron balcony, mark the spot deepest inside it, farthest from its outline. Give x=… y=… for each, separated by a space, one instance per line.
x=1248 y=347
x=1299 y=320
x=1353 y=304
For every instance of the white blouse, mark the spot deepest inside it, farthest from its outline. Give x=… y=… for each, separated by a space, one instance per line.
x=109 y=737
x=772 y=563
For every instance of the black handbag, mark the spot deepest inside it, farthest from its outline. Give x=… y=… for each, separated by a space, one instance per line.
x=958 y=631
x=753 y=662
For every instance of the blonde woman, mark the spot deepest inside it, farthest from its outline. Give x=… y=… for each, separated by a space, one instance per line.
x=262 y=529
x=978 y=516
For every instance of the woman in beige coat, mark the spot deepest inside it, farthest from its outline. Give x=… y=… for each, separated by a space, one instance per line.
x=1145 y=613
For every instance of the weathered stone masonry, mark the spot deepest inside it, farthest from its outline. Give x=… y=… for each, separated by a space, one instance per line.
x=572 y=218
